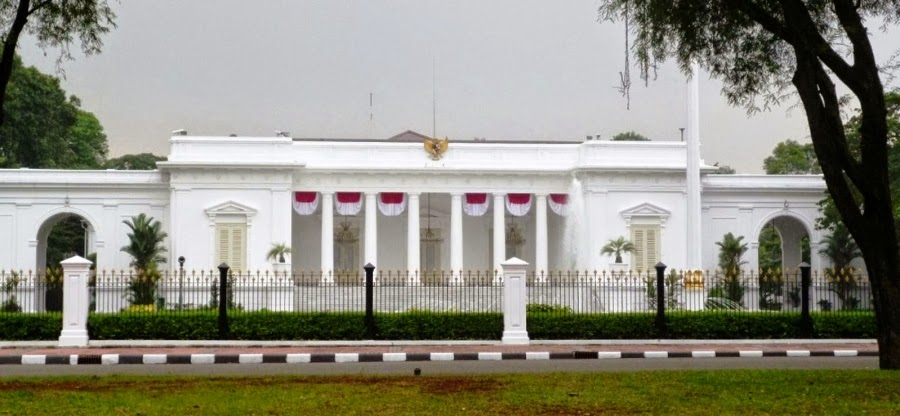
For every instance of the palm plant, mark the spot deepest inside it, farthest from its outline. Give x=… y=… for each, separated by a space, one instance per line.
x=731 y=251
x=840 y=248
x=278 y=251
x=146 y=250
x=615 y=247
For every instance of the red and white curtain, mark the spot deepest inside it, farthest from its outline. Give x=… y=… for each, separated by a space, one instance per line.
x=391 y=203
x=475 y=205
x=559 y=203
x=305 y=203
x=348 y=203
x=518 y=204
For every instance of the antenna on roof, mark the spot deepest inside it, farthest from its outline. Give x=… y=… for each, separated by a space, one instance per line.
x=433 y=100
x=371 y=116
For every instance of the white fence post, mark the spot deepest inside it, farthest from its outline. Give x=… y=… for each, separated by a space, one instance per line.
x=514 y=300
x=76 y=271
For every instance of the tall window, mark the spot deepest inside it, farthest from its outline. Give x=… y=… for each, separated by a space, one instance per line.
x=646 y=222
x=346 y=247
x=646 y=246
x=430 y=249
x=230 y=223
x=231 y=245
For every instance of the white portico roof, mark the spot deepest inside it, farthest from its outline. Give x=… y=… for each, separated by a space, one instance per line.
x=409 y=155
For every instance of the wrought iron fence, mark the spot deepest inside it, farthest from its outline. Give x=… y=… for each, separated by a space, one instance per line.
x=32 y=292
x=759 y=291
x=564 y=292
x=298 y=291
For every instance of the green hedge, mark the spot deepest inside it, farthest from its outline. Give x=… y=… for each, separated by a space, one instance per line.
x=30 y=327
x=438 y=326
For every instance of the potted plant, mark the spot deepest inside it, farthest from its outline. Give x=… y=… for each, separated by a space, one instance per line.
x=615 y=247
x=276 y=254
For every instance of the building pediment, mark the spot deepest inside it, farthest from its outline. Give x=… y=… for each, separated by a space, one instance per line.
x=646 y=210
x=230 y=208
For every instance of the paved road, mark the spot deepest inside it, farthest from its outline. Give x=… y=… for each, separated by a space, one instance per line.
x=455 y=367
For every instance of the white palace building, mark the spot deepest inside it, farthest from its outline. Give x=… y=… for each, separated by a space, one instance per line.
x=466 y=205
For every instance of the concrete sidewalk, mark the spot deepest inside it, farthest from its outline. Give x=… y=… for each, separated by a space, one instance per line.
x=255 y=352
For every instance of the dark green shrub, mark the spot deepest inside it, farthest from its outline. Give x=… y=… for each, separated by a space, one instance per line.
x=30 y=327
x=546 y=308
x=202 y=325
x=839 y=325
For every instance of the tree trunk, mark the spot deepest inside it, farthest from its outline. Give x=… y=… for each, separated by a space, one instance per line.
x=9 y=49
x=885 y=293
x=872 y=227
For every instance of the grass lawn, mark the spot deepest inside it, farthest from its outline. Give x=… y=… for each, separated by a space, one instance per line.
x=736 y=392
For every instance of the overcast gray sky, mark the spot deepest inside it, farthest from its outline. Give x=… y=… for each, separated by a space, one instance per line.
x=505 y=69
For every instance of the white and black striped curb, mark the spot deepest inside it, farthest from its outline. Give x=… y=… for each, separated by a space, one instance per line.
x=82 y=359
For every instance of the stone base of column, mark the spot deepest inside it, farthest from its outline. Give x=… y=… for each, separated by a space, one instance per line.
x=516 y=338
x=73 y=338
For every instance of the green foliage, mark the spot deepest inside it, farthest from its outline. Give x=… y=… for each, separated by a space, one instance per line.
x=201 y=325
x=140 y=161
x=145 y=247
x=672 y=283
x=54 y=24
x=592 y=326
x=616 y=247
x=278 y=251
x=45 y=129
x=731 y=251
x=66 y=239
x=546 y=308
x=724 y=169
x=630 y=136
x=30 y=327
x=840 y=248
x=10 y=304
x=769 y=254
x=792 y=158
x=830 y=216
x=730 y=286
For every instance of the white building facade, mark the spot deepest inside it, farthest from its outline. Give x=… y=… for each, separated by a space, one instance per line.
x=343 y=203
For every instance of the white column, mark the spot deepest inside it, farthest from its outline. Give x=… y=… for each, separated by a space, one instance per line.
x=75 y=302
x=694 y=231
x=499 y=231
x=540 y=236
x=371 y=249
x=514 y=299
x=413 y=239
x=456 y=237
x=327 y=237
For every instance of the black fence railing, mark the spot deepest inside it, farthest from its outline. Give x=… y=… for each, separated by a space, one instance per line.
x=581 y=292
x=772 y=291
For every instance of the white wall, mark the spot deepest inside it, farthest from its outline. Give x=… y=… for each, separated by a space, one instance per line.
x=31 y=198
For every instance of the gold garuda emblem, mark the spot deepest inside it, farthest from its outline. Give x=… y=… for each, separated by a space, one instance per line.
x=436 y=147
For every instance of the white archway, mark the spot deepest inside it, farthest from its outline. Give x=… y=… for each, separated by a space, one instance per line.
x=791 y=227
x=44 y=300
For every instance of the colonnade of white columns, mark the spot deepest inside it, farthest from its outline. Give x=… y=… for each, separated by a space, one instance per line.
x=457 y=261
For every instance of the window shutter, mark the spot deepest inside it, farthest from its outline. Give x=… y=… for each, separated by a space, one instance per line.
x=638 y=238
x=238 y=249
x=652 y=253
x=224 y=248
x=231 y=245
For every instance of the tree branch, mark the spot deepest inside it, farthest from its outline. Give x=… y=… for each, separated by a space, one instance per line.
x=800 y=22
x=851 y=21
x=9 y=49
x=38 y=6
